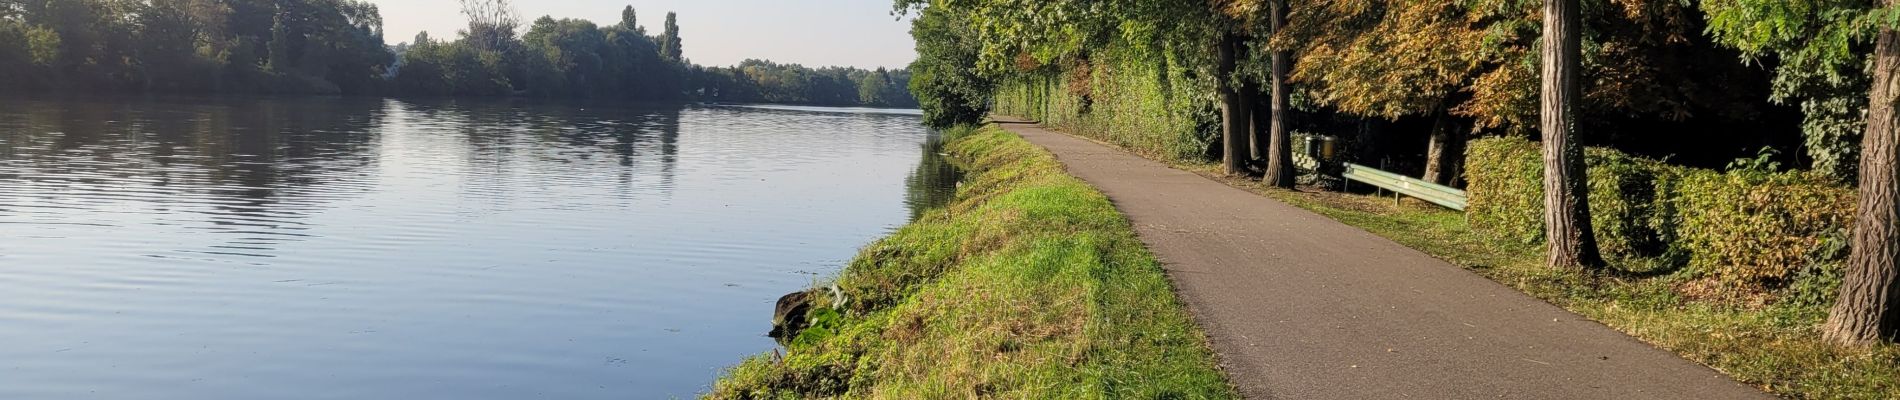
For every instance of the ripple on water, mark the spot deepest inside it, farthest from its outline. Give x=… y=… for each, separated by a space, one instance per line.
x=348 y=248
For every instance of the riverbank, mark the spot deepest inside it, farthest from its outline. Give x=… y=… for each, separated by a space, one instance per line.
x=1029 y=285
x=1775 y=346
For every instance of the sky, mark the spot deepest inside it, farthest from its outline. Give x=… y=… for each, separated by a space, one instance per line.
x=856 y=33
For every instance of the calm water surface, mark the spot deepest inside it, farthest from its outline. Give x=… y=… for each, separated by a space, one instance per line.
x=382 y=249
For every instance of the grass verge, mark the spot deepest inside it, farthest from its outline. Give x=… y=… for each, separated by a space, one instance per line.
x=1777 y=347
x=1029 y=285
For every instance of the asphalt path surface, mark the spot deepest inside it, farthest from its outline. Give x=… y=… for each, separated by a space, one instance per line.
x=1299 y=306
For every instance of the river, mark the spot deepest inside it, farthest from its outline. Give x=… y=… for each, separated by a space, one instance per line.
x=337 y=248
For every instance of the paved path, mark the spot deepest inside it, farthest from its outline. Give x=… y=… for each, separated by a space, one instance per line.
x=1303 y=307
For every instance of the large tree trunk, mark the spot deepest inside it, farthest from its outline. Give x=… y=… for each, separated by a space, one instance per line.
x=1280 y=149
x=1235 y=115
x=1443 y=153
x=1572 y=245
x=1866 y=311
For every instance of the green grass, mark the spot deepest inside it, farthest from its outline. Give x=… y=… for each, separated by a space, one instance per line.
x=1030 y=285
x=1776 y=347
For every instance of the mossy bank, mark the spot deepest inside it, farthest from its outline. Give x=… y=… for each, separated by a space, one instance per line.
x=1029 y=285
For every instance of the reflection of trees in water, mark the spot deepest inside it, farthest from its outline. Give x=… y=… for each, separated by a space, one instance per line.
x=253 y=148
x=509 y=136
x=249 y=166
x=934 y=183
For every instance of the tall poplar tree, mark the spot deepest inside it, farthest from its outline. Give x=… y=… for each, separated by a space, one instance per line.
x=670 y=47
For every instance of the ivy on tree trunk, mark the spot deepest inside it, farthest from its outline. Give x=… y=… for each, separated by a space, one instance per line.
x=1572 y=245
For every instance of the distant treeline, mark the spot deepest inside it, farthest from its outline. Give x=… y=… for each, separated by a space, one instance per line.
x=337 y=47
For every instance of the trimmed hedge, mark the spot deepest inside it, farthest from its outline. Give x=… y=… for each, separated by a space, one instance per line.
x=1754 y=229
x=1505 y=179
x=1749 y=231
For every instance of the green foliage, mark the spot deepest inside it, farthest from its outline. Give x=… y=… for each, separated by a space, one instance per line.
x=944 y=79
x=1151 y=106
x=824 y=324
x=1505 y=181
x=26 y=52
x=1626 y=207
x=1030 y=285
x=453 y=68
x=336 y=46
x=1477 y=60
x=630 y=20
x=1748 y=231
x=760 y=81
x=671 y=48
x=1505 y=185
x=257 y=46
x=1820 y=50
x=967 y=47
x=1753 y=229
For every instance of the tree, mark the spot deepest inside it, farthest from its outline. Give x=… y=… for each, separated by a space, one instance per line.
x=168 y=39
x=491 y=23
x=670 y=47
x=337 y=46
x=873 y=88
x=1821 y=51
x=1470 y=67
x=1822 y=59
x=629 y=20
x=1571 y=242
x=1279 y=150
x=944 y=76
x=1392 y=59
x=1868 y=309
x=1236 y=108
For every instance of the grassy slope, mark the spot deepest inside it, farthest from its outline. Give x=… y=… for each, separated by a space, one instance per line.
x=1030 y=285
x=1777 y=348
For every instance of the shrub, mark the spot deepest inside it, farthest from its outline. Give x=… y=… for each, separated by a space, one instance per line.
x=1624 y=209
x=1505 y=182
x=1504 y=178
x=1747 y=231
x=1753 y=230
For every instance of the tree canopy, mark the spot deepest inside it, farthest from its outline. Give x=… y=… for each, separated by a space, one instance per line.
x=337 y=47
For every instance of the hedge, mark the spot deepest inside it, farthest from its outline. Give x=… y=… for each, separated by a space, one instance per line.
x=1748 y=230
x=1505 y=182
x=1759 y=229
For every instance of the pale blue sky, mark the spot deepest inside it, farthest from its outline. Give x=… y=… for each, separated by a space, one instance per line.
x=860 y=33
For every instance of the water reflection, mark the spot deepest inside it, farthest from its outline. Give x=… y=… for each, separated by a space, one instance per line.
x=238 y=167
x=361 y=248
x=933 y=184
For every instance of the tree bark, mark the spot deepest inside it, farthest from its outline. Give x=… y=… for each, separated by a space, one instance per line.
x=1280 y=150
x=1571 y=244
x=1443 y=154
x=1257 y=127
x=1249 y=98
x=1865 y=312
x=1234 y=114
